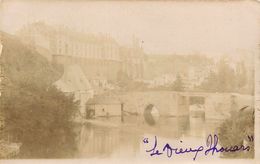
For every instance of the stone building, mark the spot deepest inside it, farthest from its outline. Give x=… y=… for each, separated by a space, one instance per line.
x=163 y=70
x=99 y=56
x=74 y=81
x=133 y=61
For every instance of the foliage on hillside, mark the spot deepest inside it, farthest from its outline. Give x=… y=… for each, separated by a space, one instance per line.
x=36 y=113
x=24 y=65
x=226 y=79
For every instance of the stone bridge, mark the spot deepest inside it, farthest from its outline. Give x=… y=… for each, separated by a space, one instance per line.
x=171 y=103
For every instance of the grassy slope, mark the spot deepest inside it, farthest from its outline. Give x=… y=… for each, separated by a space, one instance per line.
x=24 y=65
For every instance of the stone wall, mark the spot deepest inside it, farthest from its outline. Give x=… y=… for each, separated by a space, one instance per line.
x=170 y=103
x=165 y=101
x=92 y=68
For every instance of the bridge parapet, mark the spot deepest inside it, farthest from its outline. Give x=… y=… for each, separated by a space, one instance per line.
x=170 y=103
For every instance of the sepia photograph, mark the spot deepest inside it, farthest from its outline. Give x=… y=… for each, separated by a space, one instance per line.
x=142 y=81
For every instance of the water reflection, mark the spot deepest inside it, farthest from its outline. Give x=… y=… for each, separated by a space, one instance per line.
x=97 y=141
x=125 y=140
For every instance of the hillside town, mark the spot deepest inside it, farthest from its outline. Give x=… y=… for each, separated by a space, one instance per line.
x=95 y=65
x=113 y=81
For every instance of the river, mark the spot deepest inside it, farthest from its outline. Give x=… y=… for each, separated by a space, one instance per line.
x=126 y=140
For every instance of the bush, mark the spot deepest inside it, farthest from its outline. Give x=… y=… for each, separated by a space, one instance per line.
x=235 y=130
x=40 y=120
x=36 y=113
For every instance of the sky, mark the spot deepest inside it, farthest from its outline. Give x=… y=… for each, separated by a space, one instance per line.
x=165 y=27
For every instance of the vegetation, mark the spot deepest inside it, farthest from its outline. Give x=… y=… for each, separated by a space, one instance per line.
x=128 y=84
x=36 y=113
x=178 y=84
x=226 y=79
x=236 y=131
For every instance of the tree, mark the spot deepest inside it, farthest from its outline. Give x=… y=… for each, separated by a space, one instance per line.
x=40 y=119
x=223 y=80
x=210 y=83
x=123 y=79
x=36 y=113
x=235 y=130
x=178 y=84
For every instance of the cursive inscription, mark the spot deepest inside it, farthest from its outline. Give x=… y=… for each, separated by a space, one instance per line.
x=211 y=147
